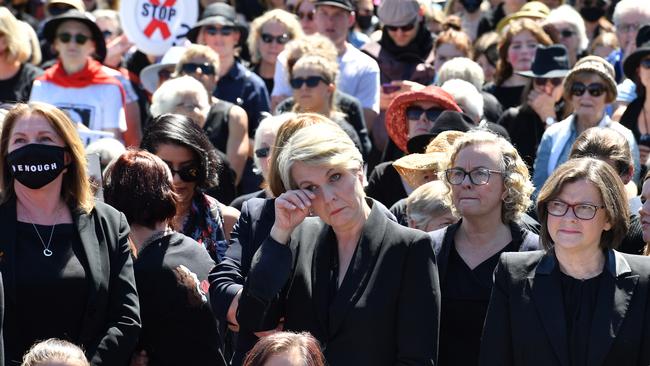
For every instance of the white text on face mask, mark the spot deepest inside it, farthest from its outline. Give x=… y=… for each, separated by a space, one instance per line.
x=34 y=168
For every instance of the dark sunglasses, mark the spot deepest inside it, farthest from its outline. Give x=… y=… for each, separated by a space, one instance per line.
x=309 y=15
x=414 y=113
x=543 y=81
x=566 y=33
x=188 y=173
x=645 y=63
x=311 y=81
x=78 y=38
x=262 y=152
x=594 y=89
x=224 y=31
x=191 y=68
x=403 y=28
x=281 y=39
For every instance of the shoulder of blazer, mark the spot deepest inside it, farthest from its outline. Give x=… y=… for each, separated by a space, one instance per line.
x=631 y=263
x=521 y=265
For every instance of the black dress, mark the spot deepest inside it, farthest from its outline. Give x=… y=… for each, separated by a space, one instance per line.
x=508 y=96
x=18 y=87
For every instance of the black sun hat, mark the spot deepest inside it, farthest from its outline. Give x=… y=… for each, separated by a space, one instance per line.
x=642 y=50
x=550 y=62
x=49 y=30
x=221 y=14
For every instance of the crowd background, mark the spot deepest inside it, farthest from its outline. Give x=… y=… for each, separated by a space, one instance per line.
x=310 y=182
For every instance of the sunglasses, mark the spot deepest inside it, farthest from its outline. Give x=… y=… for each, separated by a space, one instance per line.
x=309 y=15
x=566 y=33
x=645 y=63
x=78 y=38
x=311 y=81
x=191 y=68
x=262 y=152
x=403 y=28
x=281 y=39
x=414 y=113
x=553 y=81
x=188 y=173
x=594 y=89
x=224 y=31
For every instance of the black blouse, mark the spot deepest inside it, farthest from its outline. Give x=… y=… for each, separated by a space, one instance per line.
x=580 y=298
x=51 y=292
x=508 y=96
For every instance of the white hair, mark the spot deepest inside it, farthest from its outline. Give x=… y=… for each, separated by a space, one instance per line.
x=167 y=96
x=625 y=7
x=567 y=14
x=466 y=96
x=269 y=124
x=462 y=68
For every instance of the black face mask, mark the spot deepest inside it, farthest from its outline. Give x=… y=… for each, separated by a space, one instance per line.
x=471 y=5
x=364 y=21
x=36 y=165
x=592 y=13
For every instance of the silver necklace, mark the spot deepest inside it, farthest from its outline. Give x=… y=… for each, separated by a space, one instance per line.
x=46 y=248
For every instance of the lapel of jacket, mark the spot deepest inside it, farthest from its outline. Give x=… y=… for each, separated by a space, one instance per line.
x=320 y=274
x=8 y=219
x=89 y=256
x=546 y=291
x=616 y=289
x=360 y=269
x=442 y=247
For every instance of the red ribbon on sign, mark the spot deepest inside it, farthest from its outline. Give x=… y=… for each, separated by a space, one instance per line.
x=157 y=23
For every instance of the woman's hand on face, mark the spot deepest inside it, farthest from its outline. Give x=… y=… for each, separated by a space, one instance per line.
x=291 y=208
x=542 y=103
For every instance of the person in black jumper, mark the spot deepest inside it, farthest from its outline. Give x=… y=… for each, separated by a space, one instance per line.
x=171 y=269
x=66 y=263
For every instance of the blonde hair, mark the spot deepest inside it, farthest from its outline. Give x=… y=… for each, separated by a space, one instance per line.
x=55 y=350
x=197 y=50
x=428 y=202
x=516 y=179
x=328 y=69
x=288 y=20
x=314 y=44
x=18 y=43
x=75 y=190
x=321 y=144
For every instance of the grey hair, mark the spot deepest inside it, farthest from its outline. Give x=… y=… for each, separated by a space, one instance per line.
x=166 y=97
x=625 y=7
x=427 y=202
x=55 y=350
x=466 y=96
x=567 y=14
x=270 y=123
x=462 y=68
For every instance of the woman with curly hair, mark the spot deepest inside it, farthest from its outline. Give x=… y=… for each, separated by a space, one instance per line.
x=484 y=175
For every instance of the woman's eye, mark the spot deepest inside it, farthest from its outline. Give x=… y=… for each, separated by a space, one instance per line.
x=335 y=177
x=312 y=188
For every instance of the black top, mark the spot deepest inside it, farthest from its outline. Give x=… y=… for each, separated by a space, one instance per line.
x=630 y=118
x=216 y=124
x=633 y=241
x=267 y=81
x=580 y=298
x=239 y=201
x=18 y=87
x=385 y=184
x=508 y=96
x=44 y=308
x=465 y=298
x=177 y=323
x=526 y=130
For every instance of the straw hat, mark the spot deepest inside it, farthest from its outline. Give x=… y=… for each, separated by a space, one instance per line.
x=411 y=166
x=534 y=10
x=599 y=66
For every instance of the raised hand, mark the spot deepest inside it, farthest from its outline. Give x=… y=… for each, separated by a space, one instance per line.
x=291 y=208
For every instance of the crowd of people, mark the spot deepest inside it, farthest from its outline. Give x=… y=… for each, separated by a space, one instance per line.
x=326 y=182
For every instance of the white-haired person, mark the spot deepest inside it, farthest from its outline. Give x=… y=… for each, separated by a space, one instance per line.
x=55 y=351
x=467 y=97
x=570 y=27
x=342 y=262
x=489 y=187
x=428 y=208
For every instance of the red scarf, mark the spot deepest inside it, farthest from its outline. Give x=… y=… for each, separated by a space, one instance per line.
x=91 y=74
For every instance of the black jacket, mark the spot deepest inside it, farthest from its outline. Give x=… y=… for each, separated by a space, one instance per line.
x=111 y=323
x=386 y=310
x=526 y=325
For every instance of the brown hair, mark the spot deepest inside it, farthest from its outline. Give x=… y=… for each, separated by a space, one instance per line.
x=75 y=190
x=458 y=39
x=504 y=68
x=604 y=144
x=302 y=344
x=611 y=189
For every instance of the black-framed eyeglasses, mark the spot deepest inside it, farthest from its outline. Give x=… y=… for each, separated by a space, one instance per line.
x=311 y=81
x=308 y=15
x=188 y=173
x=224 y=31
x=415 y=112
x=554 y=81
x=567 y=33
x=403 y=28
x=263 y=152
x=192 y=68
x=478 y=176
x=595 y=89
x=583 y=211
x=79 y=39
x=281 y=39
x=645 y=63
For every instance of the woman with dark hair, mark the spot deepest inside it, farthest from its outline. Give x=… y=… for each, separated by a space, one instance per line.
x=288 y=349
x=171 y=270
x=185 y=148
x=579 y=301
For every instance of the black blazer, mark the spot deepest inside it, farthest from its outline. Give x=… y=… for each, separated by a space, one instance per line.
x=386 y=310
x=112 y=320
x=525 y=323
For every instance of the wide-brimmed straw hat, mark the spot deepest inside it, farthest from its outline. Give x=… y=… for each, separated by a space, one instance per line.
x=532 y=10
x=50 y=27
x=397 y=120
x=410 y=166
x=642 y=50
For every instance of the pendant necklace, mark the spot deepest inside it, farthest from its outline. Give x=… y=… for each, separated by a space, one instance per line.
x=46 y=248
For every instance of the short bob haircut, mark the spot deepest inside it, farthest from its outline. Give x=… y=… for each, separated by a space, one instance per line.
x=458 y=39
x=604 y=144
x=55 y=350
x=167 y=97
x=179 y=130
x=516 y=178
x=288 y=20
x=466 y=96
x=314 y=44
x=608 y=183
x=197 y=51
x=320 y=144
x=462 y=68
x=18 y=43
x=427 y=202
x=140 y=185
x=328 y=70
x=504 y=68
x=76 y=190
x=303 y=344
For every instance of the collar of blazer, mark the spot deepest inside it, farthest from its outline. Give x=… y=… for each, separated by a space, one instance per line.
x=614 y=296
